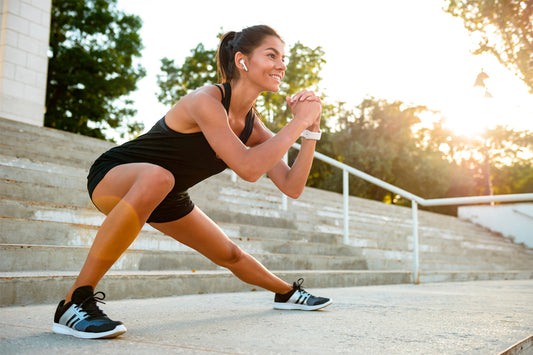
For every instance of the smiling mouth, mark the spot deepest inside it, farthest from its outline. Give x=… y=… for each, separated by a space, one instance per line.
x=277 y=77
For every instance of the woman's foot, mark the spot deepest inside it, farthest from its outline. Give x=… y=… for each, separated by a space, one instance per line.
x=300 y=299
x=82 y=318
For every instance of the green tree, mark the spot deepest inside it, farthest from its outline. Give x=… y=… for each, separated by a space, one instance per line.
x=385 y=140
x=498 y=160
x=504 y=28
x=380 y=140
x=516 y=178
x=198 y=69
x=91 y=67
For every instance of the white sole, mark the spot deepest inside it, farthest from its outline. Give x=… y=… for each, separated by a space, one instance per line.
x=63 y=329
x=300 y=307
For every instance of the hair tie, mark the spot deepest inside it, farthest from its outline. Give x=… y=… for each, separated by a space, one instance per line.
x=231 y=44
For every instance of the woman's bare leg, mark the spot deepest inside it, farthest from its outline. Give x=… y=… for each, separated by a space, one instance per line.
x=127 y=195
x=199 y=232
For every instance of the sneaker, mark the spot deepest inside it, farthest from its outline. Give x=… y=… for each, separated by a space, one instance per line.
x=298 y=298
x=82 y=318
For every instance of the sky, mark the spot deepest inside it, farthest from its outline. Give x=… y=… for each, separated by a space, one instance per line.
x=410 y=51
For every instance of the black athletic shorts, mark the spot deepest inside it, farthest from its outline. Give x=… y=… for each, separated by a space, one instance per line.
x=177 y=204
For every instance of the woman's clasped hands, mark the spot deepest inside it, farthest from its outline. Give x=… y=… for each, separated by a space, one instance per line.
x=306 y=106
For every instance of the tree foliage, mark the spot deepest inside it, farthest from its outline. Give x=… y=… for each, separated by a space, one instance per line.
x=91 y=67
x=385 y=139
x=198 y=69
x=379 y=138
x=505 y=29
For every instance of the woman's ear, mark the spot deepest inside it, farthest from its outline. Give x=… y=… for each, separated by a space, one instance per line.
x=240 y=61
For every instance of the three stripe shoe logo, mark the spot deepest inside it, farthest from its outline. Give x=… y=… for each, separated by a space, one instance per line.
x=302 y=297
x=73 y=316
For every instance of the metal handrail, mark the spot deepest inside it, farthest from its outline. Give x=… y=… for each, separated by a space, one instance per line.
x=415 y=201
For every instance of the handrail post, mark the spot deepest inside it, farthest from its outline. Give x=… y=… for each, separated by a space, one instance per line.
x=345 y=195
x=283 y=202
x=283 y=196
x=416 y=261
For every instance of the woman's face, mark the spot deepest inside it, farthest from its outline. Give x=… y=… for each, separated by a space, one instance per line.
x=266 y=66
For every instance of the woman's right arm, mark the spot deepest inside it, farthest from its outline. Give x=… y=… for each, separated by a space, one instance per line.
x=249 y=163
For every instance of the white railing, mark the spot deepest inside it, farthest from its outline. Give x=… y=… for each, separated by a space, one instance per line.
x=415 y=201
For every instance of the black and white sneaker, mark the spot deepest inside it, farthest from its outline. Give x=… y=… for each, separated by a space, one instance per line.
x=82 y=318
x=300 y=299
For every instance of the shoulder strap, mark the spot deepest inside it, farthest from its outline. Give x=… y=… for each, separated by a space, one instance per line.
x=226 y=95
x=221 y=91
x=248 y=127
x=226 y=99
x=249 y=124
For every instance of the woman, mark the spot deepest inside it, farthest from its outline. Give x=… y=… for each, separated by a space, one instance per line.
x=210 y=129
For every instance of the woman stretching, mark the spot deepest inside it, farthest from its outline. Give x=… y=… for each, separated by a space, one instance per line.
x=208 y=130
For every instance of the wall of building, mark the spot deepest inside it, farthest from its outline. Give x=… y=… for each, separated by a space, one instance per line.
x=514 y=220
x=24 y=38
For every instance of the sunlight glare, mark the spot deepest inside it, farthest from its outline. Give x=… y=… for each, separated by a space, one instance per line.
x=472 y=113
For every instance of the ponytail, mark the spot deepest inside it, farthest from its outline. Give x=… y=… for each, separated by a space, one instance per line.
x=225 y=55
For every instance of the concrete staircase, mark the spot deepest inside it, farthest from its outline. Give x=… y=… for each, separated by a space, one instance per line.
x=48 y=223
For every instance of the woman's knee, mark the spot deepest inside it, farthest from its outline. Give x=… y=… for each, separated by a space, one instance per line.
x=231 y=255
x=155 y=180
x=141 y=185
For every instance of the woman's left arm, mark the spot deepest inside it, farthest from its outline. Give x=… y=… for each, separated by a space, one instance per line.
x=290 y=180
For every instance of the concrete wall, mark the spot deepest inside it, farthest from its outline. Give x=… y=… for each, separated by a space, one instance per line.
x=24 y=36
x=510 y=220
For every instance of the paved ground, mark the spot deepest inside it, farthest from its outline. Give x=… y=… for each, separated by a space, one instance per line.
x=483 y=317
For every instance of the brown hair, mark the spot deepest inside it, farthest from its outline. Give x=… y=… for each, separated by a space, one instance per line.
x=245 y=42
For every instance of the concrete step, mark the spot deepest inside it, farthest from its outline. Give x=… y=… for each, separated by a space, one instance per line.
x=453 y=257
x=273 y=254
x=297 y=251
x=334 y=215
x=42 y=257
x=45 y=287
x=106 y=145
x=50 y=157
x=388 y=213
x=358 y=216
x=478 y=275
x=35 y=167
x=90 y=216
x=31 y=231
x=62 y=258
x=23 y=210
x=28 y=191
x=44 y=178
x=79 y=198
x=10 y=128
x=41 y=145
x=25 y=288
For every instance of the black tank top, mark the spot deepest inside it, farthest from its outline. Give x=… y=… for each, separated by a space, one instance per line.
x=189 y=157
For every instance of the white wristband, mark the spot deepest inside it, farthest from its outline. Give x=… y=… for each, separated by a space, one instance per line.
x=311 y=135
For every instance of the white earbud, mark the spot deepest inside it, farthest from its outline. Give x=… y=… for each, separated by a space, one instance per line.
x=243 y=65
